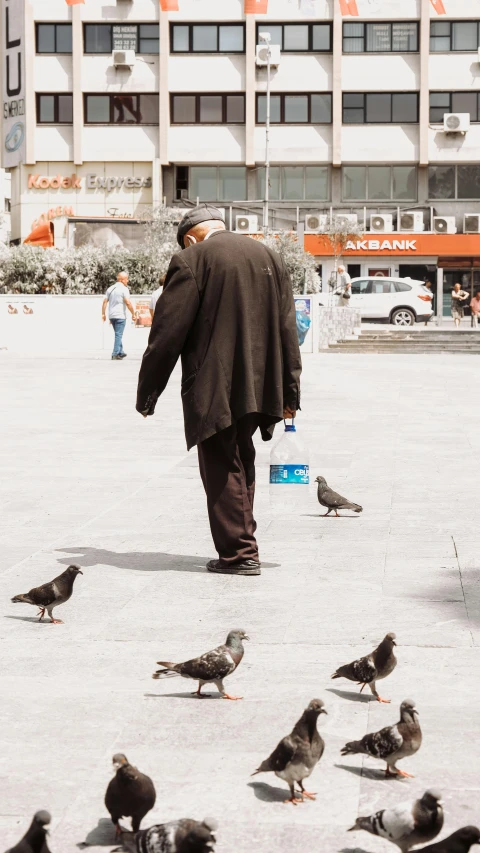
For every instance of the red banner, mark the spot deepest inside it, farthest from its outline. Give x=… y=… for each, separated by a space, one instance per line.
x=256 y=7
x=439 y=7
x=169 y=5
x=349 y=7
x=74 y=2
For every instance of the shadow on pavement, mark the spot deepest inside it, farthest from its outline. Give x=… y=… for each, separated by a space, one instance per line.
x=102 y=836
x=137 y=561
x=182 y=696
x=352 y=697
x=367 y=773
x=29 y=619
x=269 y=794
x=353 y=850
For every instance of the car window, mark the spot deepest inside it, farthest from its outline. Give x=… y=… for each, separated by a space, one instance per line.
x=362 y=286
x=381 y=285
x=401 y=287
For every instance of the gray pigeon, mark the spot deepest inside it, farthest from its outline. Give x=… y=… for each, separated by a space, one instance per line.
x=212 y=667
x=332 y=500
x=295 y=757
x=129 y=794
x=458 y=842
x=177 y=836
x=371 y=668
x=408 y=823
x=393 y=742
x=35 y=838
x=51 y=594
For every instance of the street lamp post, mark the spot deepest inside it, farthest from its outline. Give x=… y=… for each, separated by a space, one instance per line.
x=266 y=38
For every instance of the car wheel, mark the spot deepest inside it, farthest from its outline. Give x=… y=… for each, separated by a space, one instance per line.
x=403 y=317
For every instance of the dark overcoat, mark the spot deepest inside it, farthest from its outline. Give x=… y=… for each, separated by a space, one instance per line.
x=227 y=308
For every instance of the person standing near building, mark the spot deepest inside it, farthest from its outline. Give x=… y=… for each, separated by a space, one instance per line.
x=458 y=298
x=227 y=309
x=428 y=285
x=117 y=298
x=344 y=287
x=155 y=295
x=475 y=309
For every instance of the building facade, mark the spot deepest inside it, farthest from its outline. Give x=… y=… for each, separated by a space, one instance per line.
x=358 y=106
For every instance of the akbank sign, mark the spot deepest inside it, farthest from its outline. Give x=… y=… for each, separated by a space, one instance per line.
x=13 y=85
x=381 y=246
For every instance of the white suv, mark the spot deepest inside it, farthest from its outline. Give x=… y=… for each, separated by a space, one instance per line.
x=401 y=301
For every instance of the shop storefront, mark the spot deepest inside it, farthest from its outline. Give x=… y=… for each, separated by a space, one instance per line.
x=443 y=259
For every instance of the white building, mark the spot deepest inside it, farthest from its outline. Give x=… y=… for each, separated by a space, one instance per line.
x=5 y=202
x=358 y=107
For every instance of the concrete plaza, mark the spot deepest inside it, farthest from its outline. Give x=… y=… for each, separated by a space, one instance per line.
x=86 y=480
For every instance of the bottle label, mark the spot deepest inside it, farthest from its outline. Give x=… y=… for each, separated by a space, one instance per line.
x=290 y=474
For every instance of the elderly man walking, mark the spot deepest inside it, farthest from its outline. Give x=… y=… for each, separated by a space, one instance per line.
x=117 y=298
x=227 y=309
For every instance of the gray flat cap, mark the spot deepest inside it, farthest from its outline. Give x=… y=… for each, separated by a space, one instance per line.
x=199 y=214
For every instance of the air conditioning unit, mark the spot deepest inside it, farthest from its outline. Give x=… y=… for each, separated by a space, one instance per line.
x=315 y=223
x=412 y=220
x=471 y=223
x=123 y=58
x=347 y=218
x=246 y=224
x=444 y=225
x=382 y=223
x=456 y=122
x=262 y=54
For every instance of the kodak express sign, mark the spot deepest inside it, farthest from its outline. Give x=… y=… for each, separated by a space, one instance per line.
x=39 y=182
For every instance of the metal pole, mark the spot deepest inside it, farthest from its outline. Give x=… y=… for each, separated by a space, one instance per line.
x=267 y=147
x=439 y=296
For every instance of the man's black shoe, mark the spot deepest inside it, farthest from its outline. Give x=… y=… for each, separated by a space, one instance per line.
x=123 y=355
x=116 y=357
x=248 y=567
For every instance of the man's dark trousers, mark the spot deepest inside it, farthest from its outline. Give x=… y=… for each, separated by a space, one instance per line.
x=227 y=468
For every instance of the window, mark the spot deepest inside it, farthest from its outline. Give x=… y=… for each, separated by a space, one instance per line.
x=217 y=183
x=379 y=183
x=208 y=109
x=401 y=37
x=380 y=108
x=454 y=35
x=207 y=38
x=296 y=109
x=54 y=38
x=359 y=288
x=401 y=287
x=121 y=109
x=454 y=102
x=295 y=183
x=103 y=38
x=54 y=109
x=381 y=286
x=299 y=38
x=447 y=182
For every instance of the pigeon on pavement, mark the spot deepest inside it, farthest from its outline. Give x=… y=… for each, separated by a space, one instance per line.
x=295 y=757
x=129 y=794
x=50 y=595
x=458 y=842
x=393 y=742
x=408 y=823
x=371 y=668
x=35 y=838
x=177 y=836
x=212 y=667
x=332 y=500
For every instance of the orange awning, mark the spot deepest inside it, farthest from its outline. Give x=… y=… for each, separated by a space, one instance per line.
x=41 y=236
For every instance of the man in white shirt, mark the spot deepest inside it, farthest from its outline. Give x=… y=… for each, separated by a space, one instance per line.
x=155 y=295
x=344 y=285
x=117 y=298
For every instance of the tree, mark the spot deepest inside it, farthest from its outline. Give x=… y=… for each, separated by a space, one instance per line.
x=300 y=264
x=339 y=232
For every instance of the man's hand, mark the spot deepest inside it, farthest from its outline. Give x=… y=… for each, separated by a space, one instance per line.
x=103 y=317
x=289 y=413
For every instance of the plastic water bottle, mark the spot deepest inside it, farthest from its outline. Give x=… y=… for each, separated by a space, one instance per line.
x=289 y=471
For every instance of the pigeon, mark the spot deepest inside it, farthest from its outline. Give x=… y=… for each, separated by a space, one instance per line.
x=177 y=836
x=458 y=842
x=371 y=668
x=35 y=838
x=50 y=595
x=408 y=823
x=393 y=742
x=332 y=500
x=213 y=666
x=129 y=794
x=295 y=757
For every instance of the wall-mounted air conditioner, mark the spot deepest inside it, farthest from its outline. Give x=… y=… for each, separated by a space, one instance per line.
x=123 y=58
x=315 y=223
x=412 y=220
x=456 y=122
x=471 y=223
x=381 y=223
x=246 y=224
x=444 y=225
x=347 y=218
x=262 y=54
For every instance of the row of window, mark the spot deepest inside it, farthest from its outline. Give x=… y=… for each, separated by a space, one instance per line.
x=312 y=183
x=371 y=37
x=311 y=108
